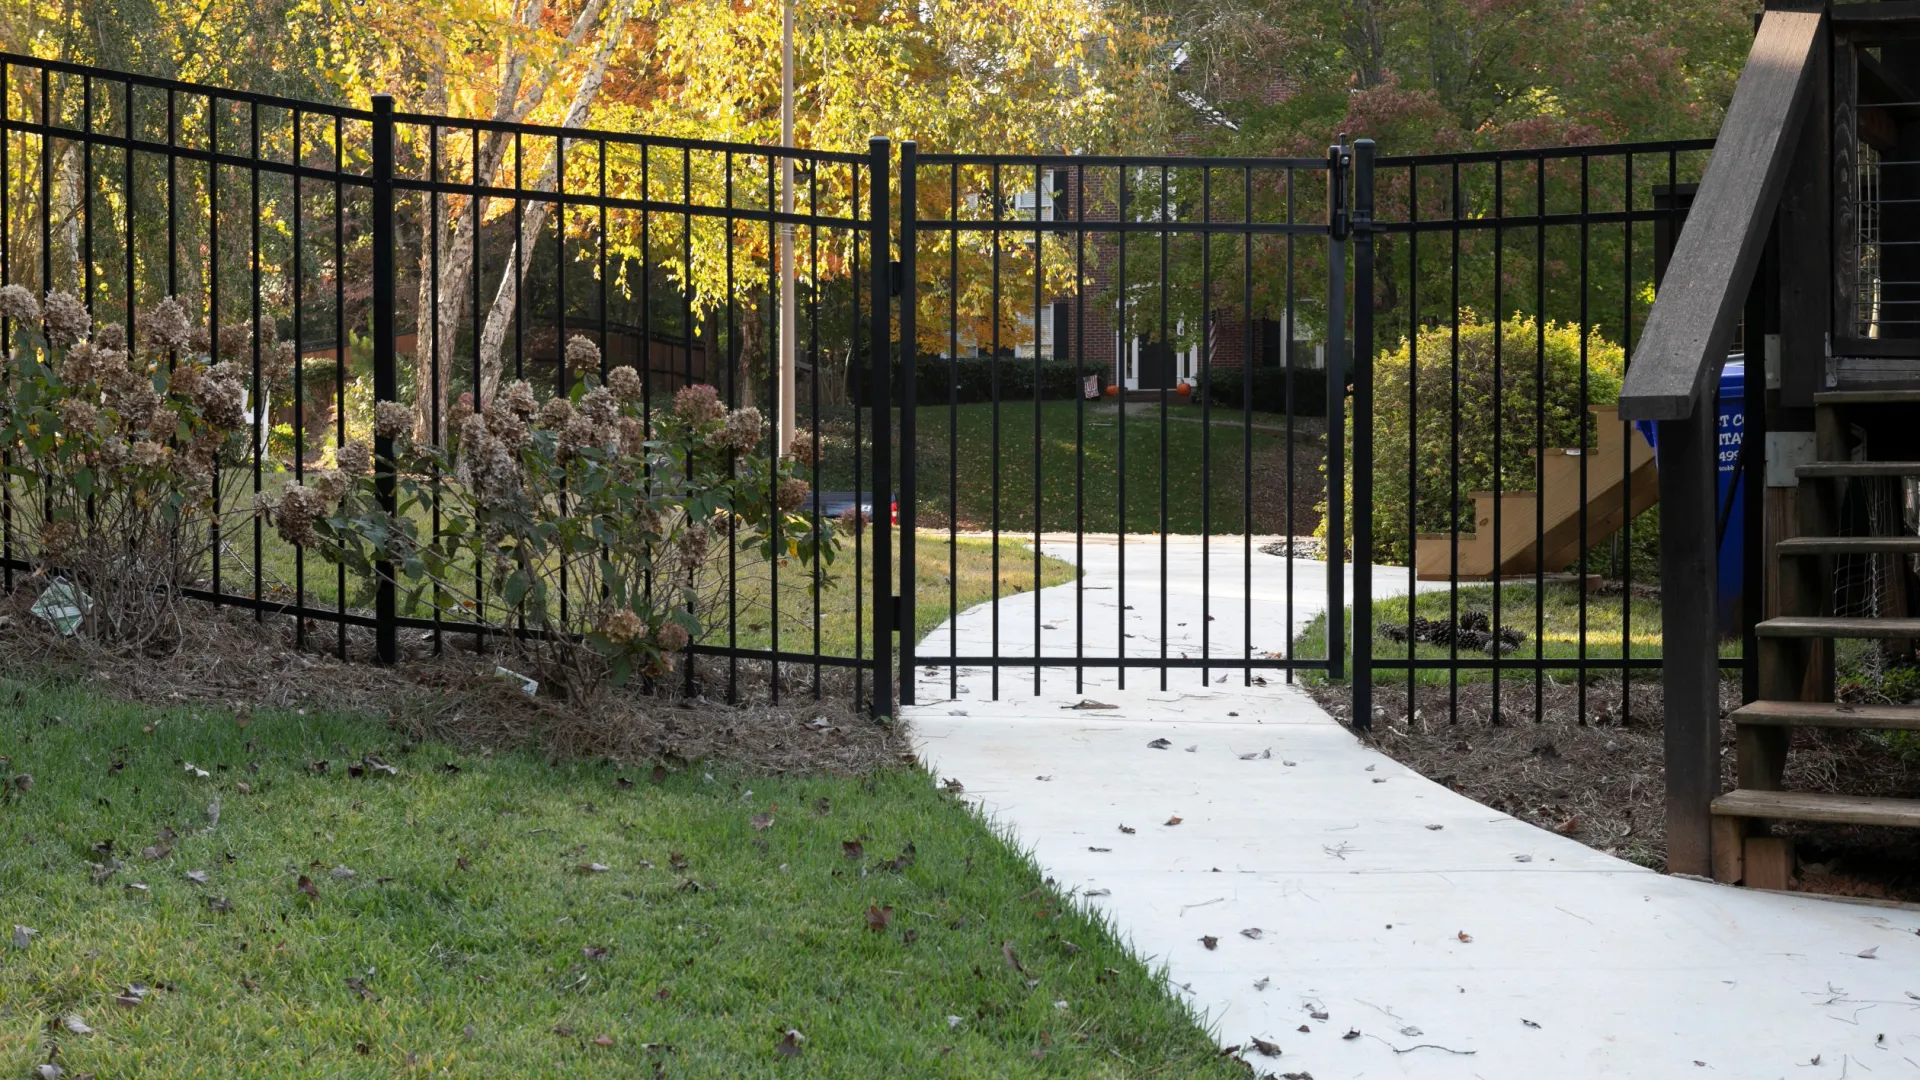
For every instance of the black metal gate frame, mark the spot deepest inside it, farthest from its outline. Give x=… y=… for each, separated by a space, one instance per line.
x=1333 y=228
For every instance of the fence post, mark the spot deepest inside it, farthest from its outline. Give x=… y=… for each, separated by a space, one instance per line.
x=909 y=427
x=880 y=348
x=1362 y=230
x=1690 y=640
x=1336 y=408
x=385 y=379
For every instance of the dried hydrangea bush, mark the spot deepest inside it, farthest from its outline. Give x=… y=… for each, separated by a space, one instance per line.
x=114 y=444
x=582 y=539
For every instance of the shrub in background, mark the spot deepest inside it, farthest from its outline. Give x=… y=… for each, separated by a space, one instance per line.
x=1271 y=389
x=1525 y=348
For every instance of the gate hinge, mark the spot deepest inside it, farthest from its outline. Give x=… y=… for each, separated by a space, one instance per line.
x=896 y=278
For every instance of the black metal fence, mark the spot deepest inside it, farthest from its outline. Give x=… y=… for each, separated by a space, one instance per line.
x=418 y=259
x=1108 y=371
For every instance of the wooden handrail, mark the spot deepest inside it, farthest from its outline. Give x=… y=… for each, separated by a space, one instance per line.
x=1680 y=351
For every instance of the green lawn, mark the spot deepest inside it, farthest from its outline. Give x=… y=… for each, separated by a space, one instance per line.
x=452 y=930
x=969 y=460
x=1605 y=619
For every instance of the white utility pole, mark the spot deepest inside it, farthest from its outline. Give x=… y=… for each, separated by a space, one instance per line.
x=788 y=391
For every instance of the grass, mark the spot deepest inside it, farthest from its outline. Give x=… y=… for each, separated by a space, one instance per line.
x=465 y=942
x=1557 y=634
x=1097 y=495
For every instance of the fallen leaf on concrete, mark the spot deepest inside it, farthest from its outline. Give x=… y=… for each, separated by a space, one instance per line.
x=1175 y=820
x=1253 y=932
x=1195 y=748
x=1265 y=1047
x=1318 y=1014
x=1435 y=828
x=1352 y=1034
x=1304 y=1028
x=1158 y=744
x=1098 y=892
x=1210 y=942
x=1465 y=937
x=1523 y=858
x=1128 y=829
x=1864 y=954
x=1528 y=1022
x=1091 y=848
x=952 y=786
x=1089 y=703
x=1263 y=982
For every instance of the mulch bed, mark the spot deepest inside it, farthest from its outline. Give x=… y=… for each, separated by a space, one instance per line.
x=1600 y=778
x=232 y=662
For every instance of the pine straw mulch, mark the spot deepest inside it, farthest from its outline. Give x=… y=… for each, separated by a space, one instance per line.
x=1600 y=779
x=229 y=660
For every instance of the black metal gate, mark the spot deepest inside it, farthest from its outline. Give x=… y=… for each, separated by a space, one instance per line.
x=1117 y=352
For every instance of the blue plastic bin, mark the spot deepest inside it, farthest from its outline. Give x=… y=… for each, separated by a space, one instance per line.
x=1732 y=408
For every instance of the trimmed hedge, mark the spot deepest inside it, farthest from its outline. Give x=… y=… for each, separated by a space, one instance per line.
x=1270 y=390
x=973 y=376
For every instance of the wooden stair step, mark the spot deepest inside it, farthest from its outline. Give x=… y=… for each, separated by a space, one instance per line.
x=1849 y=545
x=1810 y=806
x=1827 y=470
x=1867 y=397
x=1812 y=627
x=1828 y=714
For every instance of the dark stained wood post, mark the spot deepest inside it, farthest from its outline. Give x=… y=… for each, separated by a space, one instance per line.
x=1675 y=373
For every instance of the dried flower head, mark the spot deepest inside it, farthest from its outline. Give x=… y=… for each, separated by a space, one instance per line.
x=331 y=484
x=791 y=494
x=166 y=327
x=695 y=540
x=672 y=637
x=115 y=452
x=111 y=338
x=460 y=411
x=186 y=378
x=148 y=454
x=66 y=319
x=699 y=404
x=740 y=434
x=517 y=396
x=276 y=362
x=623 y=627
x=236 y=342
x=803 y=449
x=299 y=507
x=221 y=398
x=82 y=366
x=354 y=459
x=555 y=413
x=583 y=356
x=18 y=304
x=580 y=435
x=392 y=420
x=599 y=405
x=631 y=433
x=200 y=340
x=78 y=417
x=625 y=384
x=508 y=426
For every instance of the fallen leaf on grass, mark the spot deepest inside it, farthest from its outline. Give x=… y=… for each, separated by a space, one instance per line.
x=23 y=936
x=76 y=1025
x=593 y=868
x=789 y=1044
x=1012 y=958
x=196 y=772
x=358 y=987
x=48 y=1071
x=219 y=905
x=156 y=852
x=596 y=952
x=621 y=783
x=853 y=849
x=822 y=807
x=306 y=885
x=879 y=917
x=762 y=822
x=676 y=860
x=603 y=1040
x=460 y=863
x=343 y=873
x=1265 y=1047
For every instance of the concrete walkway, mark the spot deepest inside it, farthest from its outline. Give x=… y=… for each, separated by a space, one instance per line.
x=1347 y=894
